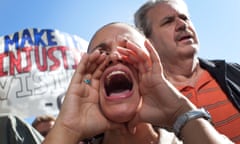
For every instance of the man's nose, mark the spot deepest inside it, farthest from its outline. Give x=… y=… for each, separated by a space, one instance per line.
x=180 y=24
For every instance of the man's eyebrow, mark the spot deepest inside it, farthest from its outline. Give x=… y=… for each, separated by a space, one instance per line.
x=169 y=17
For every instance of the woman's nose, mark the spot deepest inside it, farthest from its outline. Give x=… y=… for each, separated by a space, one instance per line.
x=115 y=57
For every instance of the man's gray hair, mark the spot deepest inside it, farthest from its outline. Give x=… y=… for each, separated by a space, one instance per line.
x=140 y=17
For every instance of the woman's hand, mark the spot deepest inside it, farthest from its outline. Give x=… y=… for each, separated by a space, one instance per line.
x=162 y=103
x=80 y=115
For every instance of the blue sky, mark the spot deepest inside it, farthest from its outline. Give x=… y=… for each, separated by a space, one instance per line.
x=217 y=21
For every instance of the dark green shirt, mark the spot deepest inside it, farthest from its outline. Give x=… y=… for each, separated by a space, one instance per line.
x=14 y=130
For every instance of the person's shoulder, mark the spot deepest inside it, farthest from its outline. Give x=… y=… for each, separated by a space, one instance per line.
x=211 y=61
x=10 y=117
x=215 y=62
x=14 y=128
x=234 y=64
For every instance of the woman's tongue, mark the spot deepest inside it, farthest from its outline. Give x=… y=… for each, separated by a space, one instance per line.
x=120 y=94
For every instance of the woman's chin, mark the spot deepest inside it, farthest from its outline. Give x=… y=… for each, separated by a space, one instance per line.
x=120 y=116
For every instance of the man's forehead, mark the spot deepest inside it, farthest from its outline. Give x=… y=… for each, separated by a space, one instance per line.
x=179 y=7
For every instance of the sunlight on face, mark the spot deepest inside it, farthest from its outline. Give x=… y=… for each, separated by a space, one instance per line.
x=119 y=91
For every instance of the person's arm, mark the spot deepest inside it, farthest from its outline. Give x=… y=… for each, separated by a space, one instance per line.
x=163 y=104
x=75 y=121
x=194 y=126
x=59 y=134
x=201 y=131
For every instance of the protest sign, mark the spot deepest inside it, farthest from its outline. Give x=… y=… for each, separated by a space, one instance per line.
x=36 y=66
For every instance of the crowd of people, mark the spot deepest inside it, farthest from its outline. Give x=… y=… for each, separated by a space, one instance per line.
x=146 y=84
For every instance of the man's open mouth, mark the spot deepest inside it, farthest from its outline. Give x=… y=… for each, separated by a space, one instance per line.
x=117 y=82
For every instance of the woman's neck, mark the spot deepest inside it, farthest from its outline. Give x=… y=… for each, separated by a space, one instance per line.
x=145 y=134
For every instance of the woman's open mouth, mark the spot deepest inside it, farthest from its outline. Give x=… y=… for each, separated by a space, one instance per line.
x=118 y=83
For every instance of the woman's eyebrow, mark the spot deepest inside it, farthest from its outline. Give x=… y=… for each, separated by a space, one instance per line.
x=102 y=45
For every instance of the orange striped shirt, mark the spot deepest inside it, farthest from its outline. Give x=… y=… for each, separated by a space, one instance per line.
x=208 y=94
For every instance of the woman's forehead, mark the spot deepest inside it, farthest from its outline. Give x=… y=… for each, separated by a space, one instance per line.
x=111 y=33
